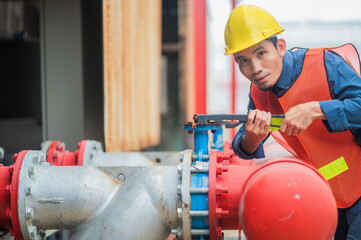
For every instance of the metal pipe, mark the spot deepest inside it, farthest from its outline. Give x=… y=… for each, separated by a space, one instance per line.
x=199 y=169
x=199 y=213
x=148 y=198
x=94 y=201
x=198 y=190
x=201 y=232
x=73 y=194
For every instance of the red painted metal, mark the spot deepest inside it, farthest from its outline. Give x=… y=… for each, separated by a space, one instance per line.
x=5 y=186
x=200 y=53
x=227 y=173
x=283 y=197
x=9 y=194
x=80 y=152
x=9 y=182
x=15 y=229
x=264 y=192
x=58 y=156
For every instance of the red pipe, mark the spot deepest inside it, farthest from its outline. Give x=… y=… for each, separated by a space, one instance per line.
x=9 y=196
x=200 y=68
x=5 y=185
x=281 y=198
x=58 y=156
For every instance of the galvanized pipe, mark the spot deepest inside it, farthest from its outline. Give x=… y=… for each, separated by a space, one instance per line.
x=203 y=169
x=143 y=208
x=198 y=190
x=199 y=213
x=135 y=201
x=66 y=197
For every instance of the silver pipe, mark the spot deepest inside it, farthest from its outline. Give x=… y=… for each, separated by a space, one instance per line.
x=97 y=202
x=202 y=169
x=200 y=232
x=199 y=213
x=198 y=190
x=143 y=208
x=204 y=157
x=66 y=197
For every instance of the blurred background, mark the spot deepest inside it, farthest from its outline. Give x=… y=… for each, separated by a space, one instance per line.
x=129 y=73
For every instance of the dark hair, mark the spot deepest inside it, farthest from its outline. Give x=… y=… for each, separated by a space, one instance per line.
x=273 y=39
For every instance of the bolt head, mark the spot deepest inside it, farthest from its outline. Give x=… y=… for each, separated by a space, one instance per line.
x=28 y=191
x=11 y=169
x=179 y=169
x=121 y=177
x=219 y=231
x=59 y=146
x=7 y=189
x=41 y=158
x=33 y=232
x=179 y=232
x=8 y=212
x=29 y=213
x=36 y=160
x=31 y=171
x=181 y=156
x=179 y=212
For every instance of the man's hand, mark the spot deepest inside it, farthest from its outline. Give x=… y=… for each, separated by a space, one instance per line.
x=257 y=129
x=299 y=118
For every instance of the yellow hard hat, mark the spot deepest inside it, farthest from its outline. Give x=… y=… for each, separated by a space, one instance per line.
x=248 y=25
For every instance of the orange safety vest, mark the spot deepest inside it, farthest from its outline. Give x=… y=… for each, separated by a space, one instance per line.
x=336 y=155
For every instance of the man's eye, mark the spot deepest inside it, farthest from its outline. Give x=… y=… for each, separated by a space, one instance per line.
x=242 y=61
x=261 y=53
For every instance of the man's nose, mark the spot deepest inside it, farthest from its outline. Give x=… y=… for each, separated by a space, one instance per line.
x=256 y=66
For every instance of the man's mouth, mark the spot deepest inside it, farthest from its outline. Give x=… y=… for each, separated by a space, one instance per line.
x=262 y=78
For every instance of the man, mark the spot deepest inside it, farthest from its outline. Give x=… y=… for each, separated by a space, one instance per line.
x=318 y=91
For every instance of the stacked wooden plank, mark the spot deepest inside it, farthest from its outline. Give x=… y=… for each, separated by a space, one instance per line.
x=132 y=74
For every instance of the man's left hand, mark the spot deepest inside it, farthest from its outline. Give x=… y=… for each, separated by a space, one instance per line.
x=298 y=118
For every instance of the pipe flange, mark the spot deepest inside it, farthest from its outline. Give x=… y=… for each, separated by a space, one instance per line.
x=88 y=150
x=31 y=161
x=44 y=146
x=183 y=230
x=186 y=196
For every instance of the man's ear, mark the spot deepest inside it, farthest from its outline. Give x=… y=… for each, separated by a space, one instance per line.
x=281 y=46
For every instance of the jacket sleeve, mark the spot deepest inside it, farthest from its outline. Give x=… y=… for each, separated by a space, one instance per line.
x=236 y=143
x=343 y=112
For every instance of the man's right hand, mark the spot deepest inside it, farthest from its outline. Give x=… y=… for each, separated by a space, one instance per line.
x=257 y=129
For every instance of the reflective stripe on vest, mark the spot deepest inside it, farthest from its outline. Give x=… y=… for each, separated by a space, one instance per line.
x=336 y=155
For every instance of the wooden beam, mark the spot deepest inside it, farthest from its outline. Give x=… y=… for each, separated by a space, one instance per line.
x=132 y=73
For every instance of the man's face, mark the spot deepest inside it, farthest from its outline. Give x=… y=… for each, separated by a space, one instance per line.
x=262 y=63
